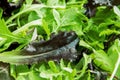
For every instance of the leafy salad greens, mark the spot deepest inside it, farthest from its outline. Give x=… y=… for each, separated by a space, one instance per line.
x=96 y=24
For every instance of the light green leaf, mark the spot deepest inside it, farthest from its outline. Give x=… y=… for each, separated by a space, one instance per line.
x=33 y=7
x=62 y=65
x=8 y=36
x=114 y=55
x=52 y=2
x=33 y=75
x=4 y=31
x=45 y=27
x=26 y=9
x=68 y=69
x=87 y=60
x=42 y=68
x=26 y=26
x=21 y=78
x=108 y=32
x=33 y=16
x=1 y=12
x=56 y=16
x=48 y=74
x=84 y=44
x=29 y=2
x=52 y=66
x=101 y=59
x=116 y=10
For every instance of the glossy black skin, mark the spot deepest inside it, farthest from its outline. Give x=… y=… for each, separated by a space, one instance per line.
x=62 y=45
x=55 y=42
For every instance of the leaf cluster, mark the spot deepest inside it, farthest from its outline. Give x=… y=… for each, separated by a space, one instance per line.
x=99 y=45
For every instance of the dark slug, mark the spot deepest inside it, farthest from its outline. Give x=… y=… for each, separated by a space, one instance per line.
x=62 y=45
x=59 y=46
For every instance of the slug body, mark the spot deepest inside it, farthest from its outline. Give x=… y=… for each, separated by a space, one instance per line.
x=59 y=46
